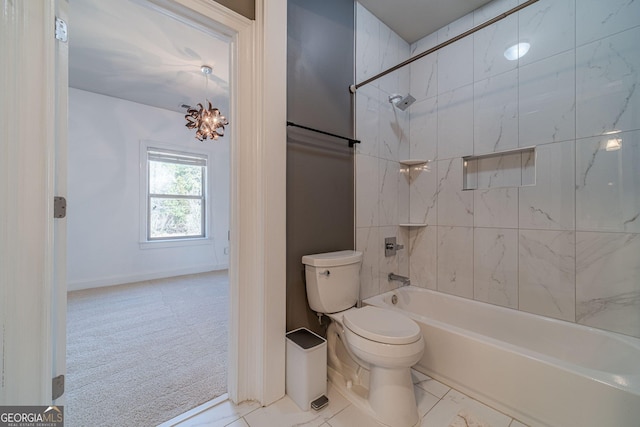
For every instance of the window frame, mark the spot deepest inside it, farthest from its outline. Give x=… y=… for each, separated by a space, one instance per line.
x=146 y=241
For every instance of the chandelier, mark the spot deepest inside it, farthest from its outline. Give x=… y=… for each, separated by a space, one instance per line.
x=208 y=122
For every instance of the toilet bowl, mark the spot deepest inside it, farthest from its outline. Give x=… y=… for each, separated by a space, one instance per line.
x=383 y=337
x=387 y=344
x=383 y=342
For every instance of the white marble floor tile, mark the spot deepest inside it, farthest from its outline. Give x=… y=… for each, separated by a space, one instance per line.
x=285 y=412
x=352 y=416
x=220 y=415
x=427 y=383
x=238 y=423
x=453 y=403
x=438 y=406
x=425 y=401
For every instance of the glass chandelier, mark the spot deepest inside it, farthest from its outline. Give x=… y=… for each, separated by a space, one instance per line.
x=208 y=122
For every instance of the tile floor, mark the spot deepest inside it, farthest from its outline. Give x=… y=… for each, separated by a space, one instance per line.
x=438 y=405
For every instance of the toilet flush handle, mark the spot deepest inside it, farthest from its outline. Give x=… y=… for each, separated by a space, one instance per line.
x=325 y=273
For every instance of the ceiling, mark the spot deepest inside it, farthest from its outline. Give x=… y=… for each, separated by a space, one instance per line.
x=414 y=19
x=125 y=49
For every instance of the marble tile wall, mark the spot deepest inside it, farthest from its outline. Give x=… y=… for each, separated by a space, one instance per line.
x=382 y=191
x=567 y=247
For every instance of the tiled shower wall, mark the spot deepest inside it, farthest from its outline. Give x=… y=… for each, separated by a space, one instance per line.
x=567 y=247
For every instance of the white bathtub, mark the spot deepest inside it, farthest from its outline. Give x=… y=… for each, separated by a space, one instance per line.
x=541 y=371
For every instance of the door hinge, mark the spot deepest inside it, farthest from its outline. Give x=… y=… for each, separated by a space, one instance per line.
x=59 y=207
x=57 y=387
x=61 y=30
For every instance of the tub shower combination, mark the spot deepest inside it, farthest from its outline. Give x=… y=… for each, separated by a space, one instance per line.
x=538 y=370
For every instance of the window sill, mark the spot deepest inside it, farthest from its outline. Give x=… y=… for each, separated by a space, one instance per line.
x=161 y=244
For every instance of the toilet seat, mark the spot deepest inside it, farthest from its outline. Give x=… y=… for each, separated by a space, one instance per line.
x=381 y=325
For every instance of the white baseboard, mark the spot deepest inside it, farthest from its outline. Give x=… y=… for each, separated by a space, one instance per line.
x=132 y=278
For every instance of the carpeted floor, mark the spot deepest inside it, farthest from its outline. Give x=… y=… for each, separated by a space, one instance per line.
x=143 y=353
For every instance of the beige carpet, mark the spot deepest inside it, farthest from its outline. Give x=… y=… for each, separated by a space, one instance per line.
x=141 y=354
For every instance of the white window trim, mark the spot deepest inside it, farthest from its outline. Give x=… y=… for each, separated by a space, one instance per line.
x=144 y=198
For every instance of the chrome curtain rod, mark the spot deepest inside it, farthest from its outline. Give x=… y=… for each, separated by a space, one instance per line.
x=351 y=140
x=353 y=88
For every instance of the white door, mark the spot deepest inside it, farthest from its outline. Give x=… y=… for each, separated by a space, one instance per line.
x=59 y=298
x=33 y=120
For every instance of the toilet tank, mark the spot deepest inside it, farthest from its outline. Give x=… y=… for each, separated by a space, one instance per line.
x=333 y=280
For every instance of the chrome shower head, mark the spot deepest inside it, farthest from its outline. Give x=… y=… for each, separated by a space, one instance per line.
x=400 y=102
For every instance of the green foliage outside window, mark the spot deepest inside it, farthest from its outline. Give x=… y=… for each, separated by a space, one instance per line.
x=176 y=199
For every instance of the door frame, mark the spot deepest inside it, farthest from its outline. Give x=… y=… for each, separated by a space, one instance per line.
x=257 y=203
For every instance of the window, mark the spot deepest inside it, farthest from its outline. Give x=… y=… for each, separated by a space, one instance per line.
x=176 y=195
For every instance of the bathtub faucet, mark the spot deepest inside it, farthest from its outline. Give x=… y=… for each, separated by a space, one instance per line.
x=405 y=281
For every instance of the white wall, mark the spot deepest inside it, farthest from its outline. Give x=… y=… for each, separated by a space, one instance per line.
x=104 y=194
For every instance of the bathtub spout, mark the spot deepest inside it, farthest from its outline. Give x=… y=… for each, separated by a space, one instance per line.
x=404 y=281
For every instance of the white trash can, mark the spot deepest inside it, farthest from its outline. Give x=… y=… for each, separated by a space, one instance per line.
x=306 y=367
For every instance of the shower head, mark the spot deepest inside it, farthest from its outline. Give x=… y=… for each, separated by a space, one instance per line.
x=400 y=102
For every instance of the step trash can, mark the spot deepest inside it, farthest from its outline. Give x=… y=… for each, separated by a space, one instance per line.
x=306 y=367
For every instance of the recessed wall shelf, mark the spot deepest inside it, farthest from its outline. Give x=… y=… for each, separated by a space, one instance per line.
x=510 y=168
x=412 y=225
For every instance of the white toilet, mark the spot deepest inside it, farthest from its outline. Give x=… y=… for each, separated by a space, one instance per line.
x=381 y=341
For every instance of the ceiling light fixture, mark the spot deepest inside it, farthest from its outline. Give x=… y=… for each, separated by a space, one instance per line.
x=208 y=122
x=516 y=51
x=613 y=142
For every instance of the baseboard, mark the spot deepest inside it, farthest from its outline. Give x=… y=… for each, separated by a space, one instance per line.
x=132 y=278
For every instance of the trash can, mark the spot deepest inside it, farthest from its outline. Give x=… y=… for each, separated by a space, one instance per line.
x=306 y=367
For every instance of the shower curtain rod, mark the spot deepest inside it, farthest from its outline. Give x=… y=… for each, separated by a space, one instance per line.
x=353 y=88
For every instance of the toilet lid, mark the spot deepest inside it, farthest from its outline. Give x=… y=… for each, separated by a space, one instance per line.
x=384 y=326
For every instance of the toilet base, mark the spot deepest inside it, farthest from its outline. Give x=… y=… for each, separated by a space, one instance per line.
x=392 y=398
x=358 y=395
